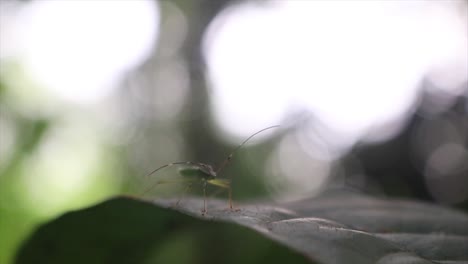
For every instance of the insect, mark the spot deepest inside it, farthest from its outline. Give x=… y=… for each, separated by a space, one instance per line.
x=198 y=172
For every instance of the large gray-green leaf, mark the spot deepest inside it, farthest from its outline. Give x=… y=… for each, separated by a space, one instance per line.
x=335 y=227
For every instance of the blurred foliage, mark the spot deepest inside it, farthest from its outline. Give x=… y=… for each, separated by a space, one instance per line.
x=15 y=221
x=393 y=168
x=31 y=191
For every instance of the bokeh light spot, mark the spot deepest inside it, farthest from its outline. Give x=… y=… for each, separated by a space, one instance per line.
x=79 y=50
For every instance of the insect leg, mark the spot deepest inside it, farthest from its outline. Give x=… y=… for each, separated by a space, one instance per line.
x=230 y=198
x=183 y=194
x=225 y=184
x=150 y=188
x=204 y=198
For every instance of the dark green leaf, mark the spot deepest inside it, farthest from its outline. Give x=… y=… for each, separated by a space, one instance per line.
x=333 y=228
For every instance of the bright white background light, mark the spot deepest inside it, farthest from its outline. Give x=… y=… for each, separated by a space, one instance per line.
x=81 y=49
x=355 y=66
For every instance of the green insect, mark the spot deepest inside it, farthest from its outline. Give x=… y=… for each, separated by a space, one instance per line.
x=197 y=172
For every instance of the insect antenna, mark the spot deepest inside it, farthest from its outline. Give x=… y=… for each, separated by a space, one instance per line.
x=226 y=161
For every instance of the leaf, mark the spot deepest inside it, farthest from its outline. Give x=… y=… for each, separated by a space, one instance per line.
x=127 y=230
x=336 y=227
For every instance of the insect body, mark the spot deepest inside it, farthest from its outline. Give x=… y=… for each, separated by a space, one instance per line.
x=197 y=172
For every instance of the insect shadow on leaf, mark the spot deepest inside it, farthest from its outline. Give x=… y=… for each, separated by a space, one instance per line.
x=197 y=172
